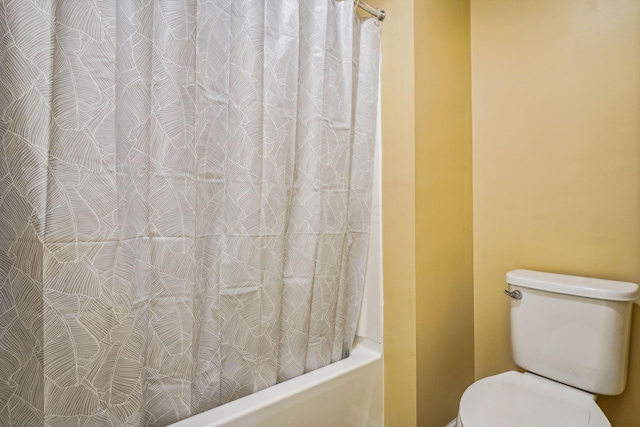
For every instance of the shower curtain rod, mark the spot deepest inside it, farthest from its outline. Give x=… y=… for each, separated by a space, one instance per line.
x=380 y=14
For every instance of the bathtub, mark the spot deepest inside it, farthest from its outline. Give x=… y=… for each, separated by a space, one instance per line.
x=345 y=393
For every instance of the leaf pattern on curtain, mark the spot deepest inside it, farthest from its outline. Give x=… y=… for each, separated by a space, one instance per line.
x=185 y=191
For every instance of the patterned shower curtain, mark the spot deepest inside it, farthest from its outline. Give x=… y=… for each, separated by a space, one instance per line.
x=184 y=201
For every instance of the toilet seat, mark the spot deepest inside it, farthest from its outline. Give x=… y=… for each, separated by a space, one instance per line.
x=527 y=400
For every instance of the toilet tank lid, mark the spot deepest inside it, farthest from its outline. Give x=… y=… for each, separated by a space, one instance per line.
x=589 y=287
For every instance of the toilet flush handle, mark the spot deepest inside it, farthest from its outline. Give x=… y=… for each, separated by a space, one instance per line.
x=515 y=294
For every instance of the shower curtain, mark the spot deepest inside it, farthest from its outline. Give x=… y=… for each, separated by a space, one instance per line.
x=185 y=193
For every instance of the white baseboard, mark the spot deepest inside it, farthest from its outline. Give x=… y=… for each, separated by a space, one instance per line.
x=451 y=424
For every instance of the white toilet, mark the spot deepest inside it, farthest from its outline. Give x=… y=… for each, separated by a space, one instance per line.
x=571 y=334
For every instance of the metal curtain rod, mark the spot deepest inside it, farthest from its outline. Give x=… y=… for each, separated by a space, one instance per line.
x=380 y=14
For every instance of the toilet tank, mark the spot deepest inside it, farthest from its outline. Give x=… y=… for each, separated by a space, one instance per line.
x=574 y=330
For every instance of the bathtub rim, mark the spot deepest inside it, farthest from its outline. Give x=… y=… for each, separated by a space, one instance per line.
x=365 y=352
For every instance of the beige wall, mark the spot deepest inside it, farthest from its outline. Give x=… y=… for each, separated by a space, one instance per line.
x=444 y=272
x=398 y=198
x=556 y=157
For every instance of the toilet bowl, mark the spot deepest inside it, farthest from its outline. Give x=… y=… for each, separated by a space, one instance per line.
x=571 y=335
x=514 y=399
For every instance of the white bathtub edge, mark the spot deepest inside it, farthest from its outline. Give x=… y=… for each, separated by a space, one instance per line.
x=365 y=352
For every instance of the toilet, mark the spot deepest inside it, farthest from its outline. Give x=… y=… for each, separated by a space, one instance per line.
x=571 y=336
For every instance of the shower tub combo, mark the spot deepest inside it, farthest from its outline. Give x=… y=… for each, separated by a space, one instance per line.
x=347 y=393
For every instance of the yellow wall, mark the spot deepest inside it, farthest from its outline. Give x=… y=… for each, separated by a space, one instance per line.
x=426 y=185
x=444 y=272
x=556 y=158
x=556 y=180
x=398 y=191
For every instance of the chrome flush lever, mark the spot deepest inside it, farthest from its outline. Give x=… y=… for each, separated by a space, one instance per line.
x=515 y=294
